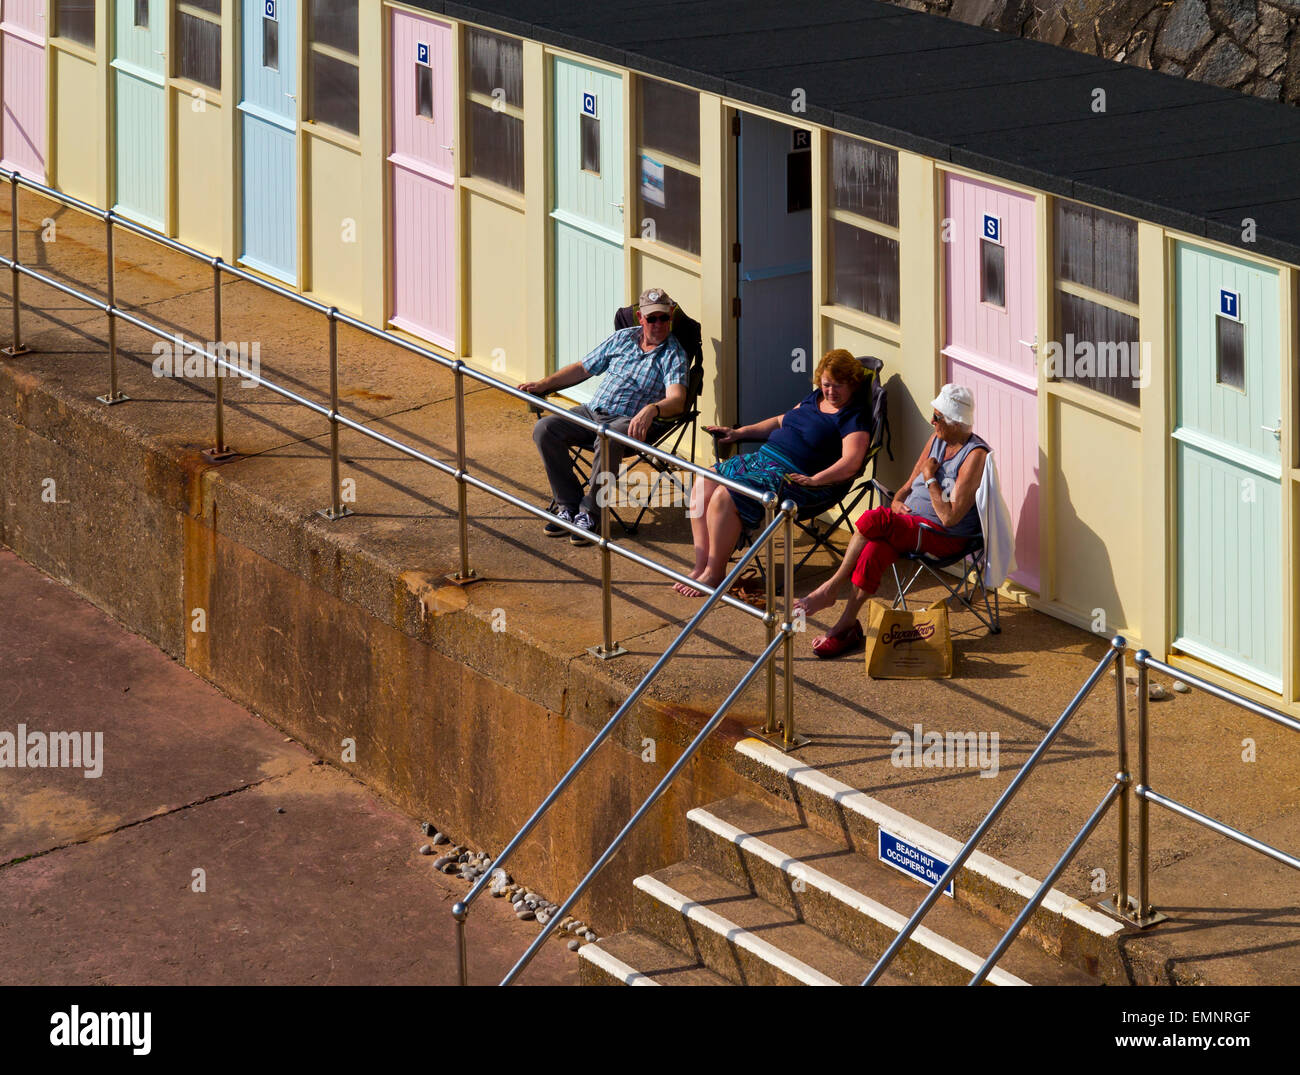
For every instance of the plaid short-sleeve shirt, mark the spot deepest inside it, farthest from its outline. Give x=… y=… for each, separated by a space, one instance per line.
x=634 y=378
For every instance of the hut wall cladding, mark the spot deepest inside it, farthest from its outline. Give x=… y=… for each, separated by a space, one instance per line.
x=139 y=90
x=1248 y=45
x=423 y=233
x=22 y=54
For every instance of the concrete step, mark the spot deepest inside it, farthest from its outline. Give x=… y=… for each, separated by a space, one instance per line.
x=741 y=937
x=636 y=958
x=856 y=900
x=1065 y=928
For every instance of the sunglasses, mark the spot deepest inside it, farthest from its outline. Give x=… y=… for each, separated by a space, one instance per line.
x=655 y=319
x=935 y=419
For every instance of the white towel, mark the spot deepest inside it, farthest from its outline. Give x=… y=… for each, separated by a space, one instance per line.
x=995 y=522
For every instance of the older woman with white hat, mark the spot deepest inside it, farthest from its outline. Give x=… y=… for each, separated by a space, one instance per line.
x=934 y=513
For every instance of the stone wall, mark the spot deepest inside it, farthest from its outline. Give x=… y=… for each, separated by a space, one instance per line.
x=1248 y=45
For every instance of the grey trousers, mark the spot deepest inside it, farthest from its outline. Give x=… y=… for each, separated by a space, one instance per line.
x=553 y=437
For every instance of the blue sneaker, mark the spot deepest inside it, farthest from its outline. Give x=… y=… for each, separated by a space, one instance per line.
x=585 y=522
x=554 y=529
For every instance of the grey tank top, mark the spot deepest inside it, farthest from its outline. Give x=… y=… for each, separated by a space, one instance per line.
x=918 y=500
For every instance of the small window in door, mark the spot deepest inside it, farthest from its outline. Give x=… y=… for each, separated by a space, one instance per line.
x=589 y=138
x=993 y=273
x=1230 y=347
x=142 y=14
x=424 y=91
x=270 y=44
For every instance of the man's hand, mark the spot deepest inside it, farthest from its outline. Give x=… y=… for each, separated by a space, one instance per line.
x=930 y=468
x=533 y=388
x=641 y=422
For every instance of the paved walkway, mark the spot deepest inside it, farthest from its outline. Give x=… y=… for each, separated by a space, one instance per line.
x=307 y=876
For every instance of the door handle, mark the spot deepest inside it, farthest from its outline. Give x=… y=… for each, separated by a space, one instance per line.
x=1276 y=432
x=617 y=205
x=292 y=96
x=450 y=149
x=1032 y=346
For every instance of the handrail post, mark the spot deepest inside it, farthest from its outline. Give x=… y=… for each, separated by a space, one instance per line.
x=465 y=574
x=604 y=490
x=337 y=509
x=114 y=396
x=769 y=513
x=1146 y=915
x=1121 y=906
x=790 y=740
x=17 y=347
x=459 y=911
x=218 y=453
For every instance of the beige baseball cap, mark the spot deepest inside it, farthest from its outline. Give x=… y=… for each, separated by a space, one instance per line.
x=655 y=300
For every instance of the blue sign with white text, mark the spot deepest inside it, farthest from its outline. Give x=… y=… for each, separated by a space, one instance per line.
x=1230 y=304
x=912 y=860
x=422 y=53
x=269 y=8
x=589 y=105
x=992 y=228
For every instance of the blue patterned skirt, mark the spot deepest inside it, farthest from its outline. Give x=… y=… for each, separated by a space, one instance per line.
x=765 y=471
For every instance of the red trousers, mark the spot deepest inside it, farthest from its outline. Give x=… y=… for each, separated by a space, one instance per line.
x=889 y=535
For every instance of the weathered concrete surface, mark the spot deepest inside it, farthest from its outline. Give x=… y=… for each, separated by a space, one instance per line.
x=308 y=878
x=466 y=705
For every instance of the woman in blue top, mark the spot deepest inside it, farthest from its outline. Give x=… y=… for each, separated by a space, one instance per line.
x=821 y=442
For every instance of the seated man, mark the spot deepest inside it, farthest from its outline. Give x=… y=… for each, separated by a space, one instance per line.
x=645 y=379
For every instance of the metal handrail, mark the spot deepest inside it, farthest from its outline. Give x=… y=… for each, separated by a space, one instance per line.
x=1114 y=655
x=1144 y=914
x=764 y=659
x=334 y=317
x=460 y=910
x=715 y=595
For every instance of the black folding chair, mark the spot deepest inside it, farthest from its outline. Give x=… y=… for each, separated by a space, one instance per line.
x=840 y=501
x=968 y=588
x=666 y=434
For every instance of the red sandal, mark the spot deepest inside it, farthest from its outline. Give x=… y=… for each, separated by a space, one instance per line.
x=834 y=644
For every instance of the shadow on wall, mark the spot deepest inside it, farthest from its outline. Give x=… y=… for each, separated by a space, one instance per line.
x=1084 y=573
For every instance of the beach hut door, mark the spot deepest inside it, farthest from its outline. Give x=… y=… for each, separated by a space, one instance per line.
x=422 y=167
x=140 y=101
x=1227 y=447
x=992 y=339
x=588 y=212
x=773 y=268
x=268 y=119
x=22 y=27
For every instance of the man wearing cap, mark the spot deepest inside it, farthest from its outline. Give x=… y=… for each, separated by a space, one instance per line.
x=934 y=513
x=645 y=380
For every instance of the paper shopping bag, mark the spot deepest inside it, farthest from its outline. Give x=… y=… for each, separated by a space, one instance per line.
x=909 y=645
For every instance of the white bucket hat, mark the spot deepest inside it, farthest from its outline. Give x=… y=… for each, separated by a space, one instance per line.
x=956 y=403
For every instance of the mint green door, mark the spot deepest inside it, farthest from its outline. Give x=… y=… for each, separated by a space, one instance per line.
x=139 y=79
x=587 y=213
x=1227 y=437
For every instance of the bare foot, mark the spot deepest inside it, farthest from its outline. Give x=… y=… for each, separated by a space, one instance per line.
x=814 y=602
x=704 y=580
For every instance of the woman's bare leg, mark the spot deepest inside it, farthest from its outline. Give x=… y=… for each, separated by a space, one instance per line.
x=829 y=591
x=703 y=493
x=723 y=529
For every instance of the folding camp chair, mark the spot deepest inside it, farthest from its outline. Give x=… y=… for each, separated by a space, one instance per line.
x=967 y=589
x=666 y=434
x=840 y=501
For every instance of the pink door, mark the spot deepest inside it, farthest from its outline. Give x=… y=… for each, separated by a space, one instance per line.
x=423 y=177
x=22 y=132
x=991 y=340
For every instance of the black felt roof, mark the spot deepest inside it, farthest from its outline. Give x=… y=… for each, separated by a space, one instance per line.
x=1175 y=152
